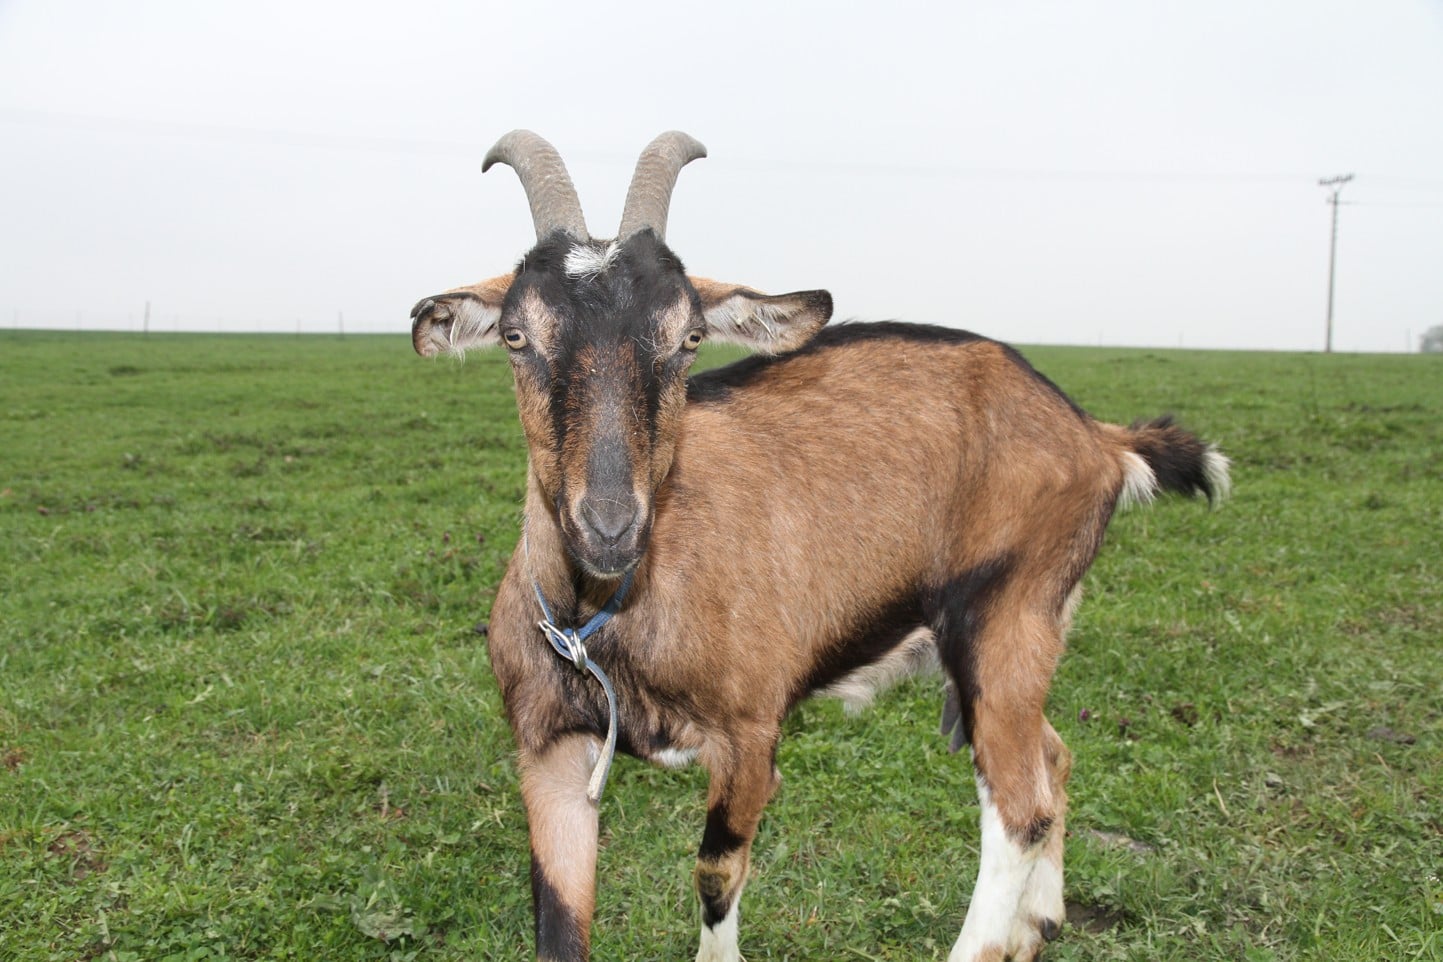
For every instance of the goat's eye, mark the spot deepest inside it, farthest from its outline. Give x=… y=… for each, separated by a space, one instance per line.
x=514 y=339
x=693 y=340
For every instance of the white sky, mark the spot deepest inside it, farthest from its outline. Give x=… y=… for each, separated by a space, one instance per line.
x=1140 y=173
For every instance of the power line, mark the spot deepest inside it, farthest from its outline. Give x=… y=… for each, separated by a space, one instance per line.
x=1336 y=185
x=1392 y=203
x=276 y=137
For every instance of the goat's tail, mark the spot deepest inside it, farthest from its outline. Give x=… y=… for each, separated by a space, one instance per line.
x=1160 y=456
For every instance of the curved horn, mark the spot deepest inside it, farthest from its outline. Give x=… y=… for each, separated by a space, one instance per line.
x=649 y=196
x=554 y=204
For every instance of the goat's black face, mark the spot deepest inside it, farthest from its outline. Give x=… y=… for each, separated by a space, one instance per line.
x=601 y=336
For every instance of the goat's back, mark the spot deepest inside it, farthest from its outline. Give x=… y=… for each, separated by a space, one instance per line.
x=877 y=459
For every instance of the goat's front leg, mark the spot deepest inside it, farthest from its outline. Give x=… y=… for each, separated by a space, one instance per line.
x=563 y=823
x=741 y=786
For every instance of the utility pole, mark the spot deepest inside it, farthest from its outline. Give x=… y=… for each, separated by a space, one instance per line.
x=1335 y=186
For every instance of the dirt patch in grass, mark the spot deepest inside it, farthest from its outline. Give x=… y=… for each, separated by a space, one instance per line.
x=1094 y=918
x=1116 y=840
x=80 y=849
x=1420 y=620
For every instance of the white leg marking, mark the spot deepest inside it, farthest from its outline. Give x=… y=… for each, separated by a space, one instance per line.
x=1041 y=901
x=719 y=943
x=1002 y=873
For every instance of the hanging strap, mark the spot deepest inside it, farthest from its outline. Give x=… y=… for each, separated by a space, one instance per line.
x=570 y=644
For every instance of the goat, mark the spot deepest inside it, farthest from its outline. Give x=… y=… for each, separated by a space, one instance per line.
x=818 y=516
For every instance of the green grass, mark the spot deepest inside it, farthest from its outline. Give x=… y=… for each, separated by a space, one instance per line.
x=245 y=711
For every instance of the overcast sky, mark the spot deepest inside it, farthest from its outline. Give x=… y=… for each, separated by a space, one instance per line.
x=1128 y=173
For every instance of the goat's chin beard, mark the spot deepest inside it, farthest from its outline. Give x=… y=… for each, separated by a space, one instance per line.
x=601 y=575
x=605 y=568
x=606 y=564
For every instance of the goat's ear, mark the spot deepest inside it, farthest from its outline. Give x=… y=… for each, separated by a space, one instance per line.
x=771 y=323
x=459 y=319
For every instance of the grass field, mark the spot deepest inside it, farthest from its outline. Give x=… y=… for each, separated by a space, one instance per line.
x=245 y=709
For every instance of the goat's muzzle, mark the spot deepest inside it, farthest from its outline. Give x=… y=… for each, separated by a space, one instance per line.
x=607 y=533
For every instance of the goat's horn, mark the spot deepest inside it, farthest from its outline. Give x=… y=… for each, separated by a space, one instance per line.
x=548 y=186
x=649 y=196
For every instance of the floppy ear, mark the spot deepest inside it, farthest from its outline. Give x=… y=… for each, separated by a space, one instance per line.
x=459 y=319
x=770 y=323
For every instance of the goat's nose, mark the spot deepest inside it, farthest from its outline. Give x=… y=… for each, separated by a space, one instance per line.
x=610 y=518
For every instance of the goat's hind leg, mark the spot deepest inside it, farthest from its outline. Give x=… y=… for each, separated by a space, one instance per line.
x=1041 y=912
x=740 y=788
x=1001 y=667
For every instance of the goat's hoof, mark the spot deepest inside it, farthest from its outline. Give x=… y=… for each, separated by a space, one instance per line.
x=1030 y=937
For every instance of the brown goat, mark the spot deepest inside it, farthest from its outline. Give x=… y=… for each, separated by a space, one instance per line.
x=822 y=518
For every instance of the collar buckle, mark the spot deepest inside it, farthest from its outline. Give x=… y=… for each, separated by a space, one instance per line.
x=567 y=643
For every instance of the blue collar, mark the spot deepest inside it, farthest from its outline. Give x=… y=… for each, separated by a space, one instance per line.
x=570 y=643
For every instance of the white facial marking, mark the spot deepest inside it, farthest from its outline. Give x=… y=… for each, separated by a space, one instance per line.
x=583 y=260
